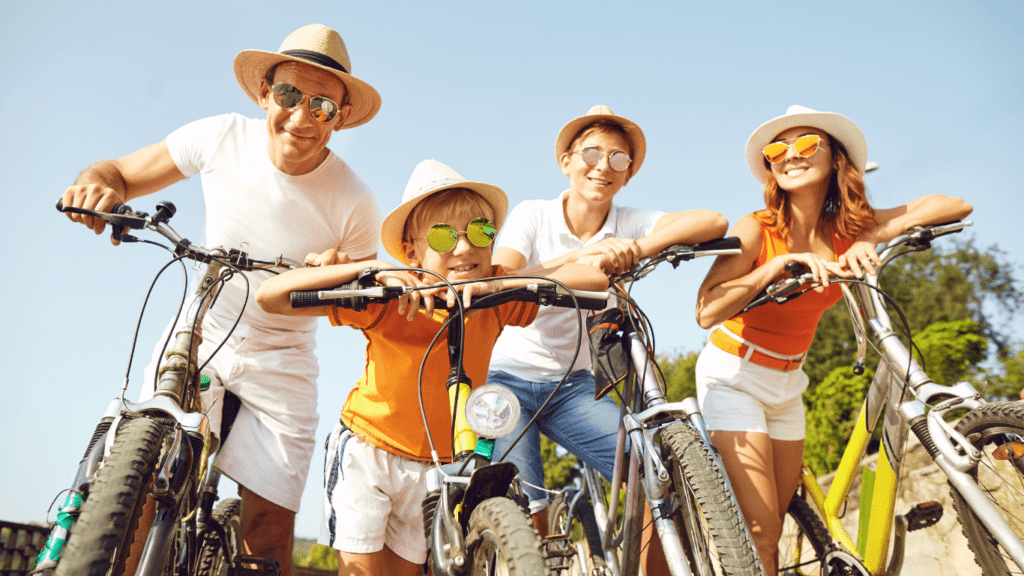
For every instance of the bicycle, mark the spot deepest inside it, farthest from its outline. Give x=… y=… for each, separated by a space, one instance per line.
x=982 y=455
x=158 y=448
x=672 y=463
x=474 y=520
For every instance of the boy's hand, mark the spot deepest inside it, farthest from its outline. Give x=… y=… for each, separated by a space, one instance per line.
x=612 y=255
x=329 y=257
x=469 y=290
x=409 y=303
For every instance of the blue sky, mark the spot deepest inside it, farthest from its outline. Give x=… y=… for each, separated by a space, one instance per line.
x=484 y=87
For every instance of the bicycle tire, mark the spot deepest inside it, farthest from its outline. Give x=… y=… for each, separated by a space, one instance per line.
x=214 y=560
x=502 y=540
x=110 y=514
x=987 y=428
x=802 y=526
x=581 y=530
x=716 y=541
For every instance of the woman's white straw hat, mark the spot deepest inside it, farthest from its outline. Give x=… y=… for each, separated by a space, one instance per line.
x=430 y=177
x=837 y=126
x=315 y=45
x=597 y=113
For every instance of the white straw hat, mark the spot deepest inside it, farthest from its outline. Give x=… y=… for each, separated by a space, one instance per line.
x=314 y=45
x=430 y=177
x=597 y=113
x=837 y=126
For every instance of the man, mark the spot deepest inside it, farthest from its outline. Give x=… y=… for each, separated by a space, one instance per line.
x=270 y=187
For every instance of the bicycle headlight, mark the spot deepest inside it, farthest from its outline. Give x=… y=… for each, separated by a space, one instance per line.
x=492 y=411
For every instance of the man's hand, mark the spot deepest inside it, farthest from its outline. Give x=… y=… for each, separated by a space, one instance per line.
x=92 y=197
x=328 y=257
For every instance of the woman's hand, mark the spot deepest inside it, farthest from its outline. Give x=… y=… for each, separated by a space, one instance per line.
x=820 y=268
x=860 y=257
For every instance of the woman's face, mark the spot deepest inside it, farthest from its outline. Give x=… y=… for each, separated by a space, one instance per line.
x=795 y=172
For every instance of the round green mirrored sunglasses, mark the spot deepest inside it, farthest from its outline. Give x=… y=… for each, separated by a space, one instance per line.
x=443 y=237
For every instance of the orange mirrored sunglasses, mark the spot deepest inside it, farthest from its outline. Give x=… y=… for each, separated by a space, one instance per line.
x=806 y=146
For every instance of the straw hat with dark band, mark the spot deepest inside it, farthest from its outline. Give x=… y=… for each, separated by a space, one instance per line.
x=315 y=45
x=596 y=114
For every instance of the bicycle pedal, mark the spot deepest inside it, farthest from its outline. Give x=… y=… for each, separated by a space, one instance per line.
x=557 y=545
x=258 y=566
x=923 y=515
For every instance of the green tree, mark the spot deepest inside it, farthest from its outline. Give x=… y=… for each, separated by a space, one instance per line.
x=944 y=284
x=680 y=376
x=951 y=350
x=320 y=556
x=831 y=414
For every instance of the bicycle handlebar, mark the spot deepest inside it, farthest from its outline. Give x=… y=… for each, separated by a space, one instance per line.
x=122 y=216
x=360 y=292
x=680 y=253
x=917 y=238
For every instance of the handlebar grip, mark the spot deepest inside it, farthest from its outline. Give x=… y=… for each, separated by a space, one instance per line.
x=795 y=268
x=728 y=243
x=311 y=299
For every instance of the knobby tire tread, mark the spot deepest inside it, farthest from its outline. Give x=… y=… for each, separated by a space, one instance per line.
x=500 y=522
x=110 y=513
x=815 y=534
x=697 y=469
x=584 y=516
x=213 y=559
x=982 y=427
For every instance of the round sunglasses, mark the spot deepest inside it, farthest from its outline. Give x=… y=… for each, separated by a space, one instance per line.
x=806 y=146
x=443 y=237
x=288 y=97
x=592 y=155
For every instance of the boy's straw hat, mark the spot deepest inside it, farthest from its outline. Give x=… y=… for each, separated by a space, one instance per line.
x=315 y=45
x=837 y=126
x=429 y=177
x=636 y=136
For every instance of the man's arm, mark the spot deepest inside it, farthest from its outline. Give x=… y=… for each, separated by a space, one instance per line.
x=109 y=182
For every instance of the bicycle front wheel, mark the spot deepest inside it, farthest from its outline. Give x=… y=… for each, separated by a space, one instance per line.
x=997 y=430
x=502 y=540
x=214 y=560
x=105 y=530
x=804 y=542
x=716 y=541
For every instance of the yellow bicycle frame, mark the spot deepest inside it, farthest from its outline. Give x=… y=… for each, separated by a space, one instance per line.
x=883 y=496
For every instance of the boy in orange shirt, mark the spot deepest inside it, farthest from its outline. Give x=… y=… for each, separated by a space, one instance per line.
x=378 y=453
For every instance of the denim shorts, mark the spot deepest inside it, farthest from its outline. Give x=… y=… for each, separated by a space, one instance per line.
x=585 y=427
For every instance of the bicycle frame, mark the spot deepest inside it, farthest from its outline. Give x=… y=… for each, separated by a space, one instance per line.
x=904 y=404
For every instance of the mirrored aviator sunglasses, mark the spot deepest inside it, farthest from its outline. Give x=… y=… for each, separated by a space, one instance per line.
x=806 y=146
x=288 y=97
x=443 y=237
x=618 y=159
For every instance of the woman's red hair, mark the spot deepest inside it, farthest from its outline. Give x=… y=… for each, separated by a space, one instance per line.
x=846 y=212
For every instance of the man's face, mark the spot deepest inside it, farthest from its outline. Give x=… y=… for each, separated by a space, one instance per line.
x=297 y=142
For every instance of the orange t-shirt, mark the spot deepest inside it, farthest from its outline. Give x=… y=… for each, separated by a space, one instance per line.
x=384 y=407
x=786 y=329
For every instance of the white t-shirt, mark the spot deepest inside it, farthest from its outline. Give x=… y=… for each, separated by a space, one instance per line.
x=254 y=207
x=536 y=229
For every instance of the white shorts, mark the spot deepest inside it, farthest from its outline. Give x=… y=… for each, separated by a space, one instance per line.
x=372 y=498
x=740 y=396
x=273 y=438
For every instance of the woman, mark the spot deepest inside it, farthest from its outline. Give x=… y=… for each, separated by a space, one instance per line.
x=749 y=376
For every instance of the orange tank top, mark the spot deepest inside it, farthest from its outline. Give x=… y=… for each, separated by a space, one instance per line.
x=786 y=329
